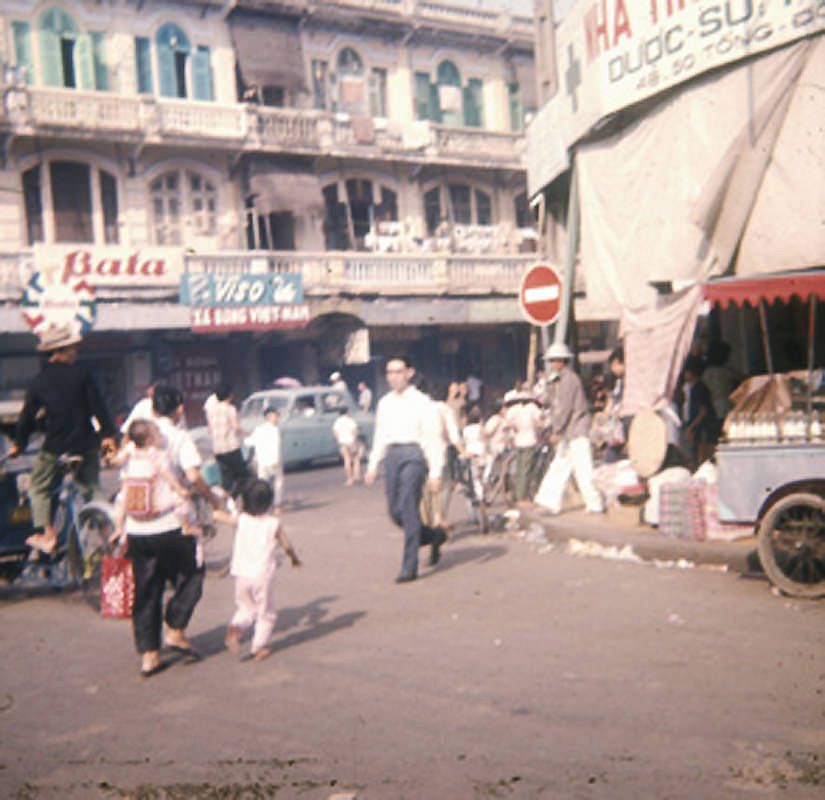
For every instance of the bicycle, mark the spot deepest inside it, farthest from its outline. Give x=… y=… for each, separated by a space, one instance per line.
x=83 y=530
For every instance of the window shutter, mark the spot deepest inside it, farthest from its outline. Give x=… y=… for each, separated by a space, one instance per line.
x=166 y=70
x=101 y=73
x=23 y=48
x=435 y=106
x=83 y=62
x=473 y=110
x=50 y=57
x=143 y=65
x=202 y=74
x=422 y=95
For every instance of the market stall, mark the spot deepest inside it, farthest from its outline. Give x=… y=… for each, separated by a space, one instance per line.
x=771 y=459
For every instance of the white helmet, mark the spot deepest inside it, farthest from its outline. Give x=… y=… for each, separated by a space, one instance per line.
x=558 y=350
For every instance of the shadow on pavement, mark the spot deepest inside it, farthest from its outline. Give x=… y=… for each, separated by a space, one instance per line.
x=455 y=557
x=311 y=618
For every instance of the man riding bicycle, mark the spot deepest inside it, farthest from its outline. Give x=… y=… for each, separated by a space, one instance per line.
x=68 y=395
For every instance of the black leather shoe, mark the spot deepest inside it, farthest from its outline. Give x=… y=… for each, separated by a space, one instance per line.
x=405 y=577
x=439 y=537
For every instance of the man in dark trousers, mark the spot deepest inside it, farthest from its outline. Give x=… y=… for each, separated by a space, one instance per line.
x=68 y=395
x=406 y=440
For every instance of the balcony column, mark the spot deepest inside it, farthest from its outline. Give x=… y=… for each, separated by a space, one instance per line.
x=441 y=274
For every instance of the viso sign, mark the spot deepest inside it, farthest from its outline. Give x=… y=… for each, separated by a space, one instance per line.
x=244 y=302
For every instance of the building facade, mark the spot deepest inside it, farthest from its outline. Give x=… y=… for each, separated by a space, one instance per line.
x=374 y=149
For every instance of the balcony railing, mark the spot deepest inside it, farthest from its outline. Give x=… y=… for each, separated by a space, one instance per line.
x=370 y=273
x=134 y=119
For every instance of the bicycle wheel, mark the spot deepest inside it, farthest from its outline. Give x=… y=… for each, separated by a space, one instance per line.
x=94 y=527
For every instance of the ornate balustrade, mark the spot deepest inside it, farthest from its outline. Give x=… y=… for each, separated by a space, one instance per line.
x=253 y=128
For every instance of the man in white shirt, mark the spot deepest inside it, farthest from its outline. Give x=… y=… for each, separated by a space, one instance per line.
x=406 y=441
x=141 y=410
x=364 y=396
x=265 y=440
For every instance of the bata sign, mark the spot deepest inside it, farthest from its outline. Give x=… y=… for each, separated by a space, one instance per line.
x=613 y=53
x=110 y=265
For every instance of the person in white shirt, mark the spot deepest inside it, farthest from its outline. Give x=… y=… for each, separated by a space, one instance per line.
x=265 y=440
x=524 y=418
x=258 y=534
x=436 y=507
x=406 y=441
x=345 y=430
x=475 y=447
x=364 y=396
x=337 y=382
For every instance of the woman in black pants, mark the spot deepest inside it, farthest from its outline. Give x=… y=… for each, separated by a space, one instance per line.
x=161 y=552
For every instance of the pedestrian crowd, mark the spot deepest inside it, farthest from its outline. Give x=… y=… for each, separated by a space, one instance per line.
x=423 y=434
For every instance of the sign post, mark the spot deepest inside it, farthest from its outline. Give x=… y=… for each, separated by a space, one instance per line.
x=540 y=295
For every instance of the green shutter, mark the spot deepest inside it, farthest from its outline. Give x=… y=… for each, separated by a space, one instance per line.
x=473 y=104
x=101 y=73
x=50 y=63
x=83 y=62
x=202 y=74
x=422 y=95
x=435 y=106
x=166 y=70
x=143 y=65
x=23 y=48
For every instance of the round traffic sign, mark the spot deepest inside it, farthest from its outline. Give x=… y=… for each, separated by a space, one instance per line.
x=540 y=294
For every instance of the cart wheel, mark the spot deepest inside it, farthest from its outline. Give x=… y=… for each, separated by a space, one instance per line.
x=792 y=544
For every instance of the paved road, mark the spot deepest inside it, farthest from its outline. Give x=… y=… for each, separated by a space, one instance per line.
x=511 y=671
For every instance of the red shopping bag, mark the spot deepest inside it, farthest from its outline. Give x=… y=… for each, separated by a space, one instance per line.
x=117 y=587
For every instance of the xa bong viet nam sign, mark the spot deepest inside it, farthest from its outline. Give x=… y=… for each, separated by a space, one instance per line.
x=244 y=302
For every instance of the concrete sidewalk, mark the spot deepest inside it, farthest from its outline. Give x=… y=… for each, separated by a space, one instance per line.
x=619 y=528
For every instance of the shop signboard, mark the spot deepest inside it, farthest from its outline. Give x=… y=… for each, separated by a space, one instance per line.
x=612 y=54
x=248 y=302
x=111 y=266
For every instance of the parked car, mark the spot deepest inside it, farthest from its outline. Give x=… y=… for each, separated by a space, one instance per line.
x=307 y=415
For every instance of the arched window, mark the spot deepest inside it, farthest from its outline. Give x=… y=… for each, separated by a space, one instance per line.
x=184 y=205
x=84 y=203
x=450 y=97
x=173 y=51
x=183 y=71
x=69 y=58
x=350 y=75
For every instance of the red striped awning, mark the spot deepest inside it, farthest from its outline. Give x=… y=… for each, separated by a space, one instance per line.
x=780 y=286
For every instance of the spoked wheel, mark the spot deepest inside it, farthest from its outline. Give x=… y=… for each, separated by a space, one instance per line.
x=500 y=485
x=94 y=527
x=792 y=544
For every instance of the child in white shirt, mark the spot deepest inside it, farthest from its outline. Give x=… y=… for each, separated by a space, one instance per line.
x=257 y=536
x=266 y=441
x=475 y=447
x=345 y=430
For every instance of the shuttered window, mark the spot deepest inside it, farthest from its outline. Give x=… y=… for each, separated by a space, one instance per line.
x=23 y=50
x=108 y=199
x=143 y=65
x=202 y=74
x=172 y=53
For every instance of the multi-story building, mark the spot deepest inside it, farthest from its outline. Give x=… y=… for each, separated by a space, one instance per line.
x=153 y=149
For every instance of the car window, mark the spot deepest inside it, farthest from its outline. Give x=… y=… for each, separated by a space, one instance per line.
x=304 y=406
x=332 y=402
x=255 y=406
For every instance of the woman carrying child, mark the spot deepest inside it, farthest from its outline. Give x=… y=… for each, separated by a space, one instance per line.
x=258 y=534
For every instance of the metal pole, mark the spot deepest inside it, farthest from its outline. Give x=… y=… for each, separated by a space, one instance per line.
x=766 y=345
x=563 y=322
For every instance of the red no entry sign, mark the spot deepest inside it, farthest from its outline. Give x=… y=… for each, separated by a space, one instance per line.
x=540 y=294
